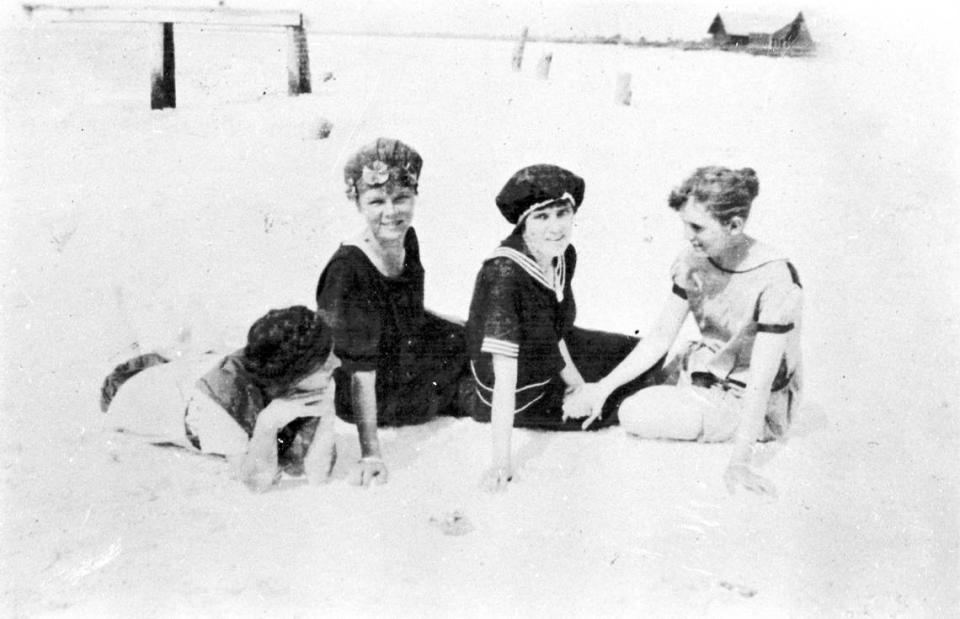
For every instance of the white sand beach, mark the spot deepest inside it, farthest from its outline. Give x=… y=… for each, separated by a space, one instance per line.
x=204 y=216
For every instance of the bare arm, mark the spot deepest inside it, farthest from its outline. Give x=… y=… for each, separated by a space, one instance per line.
x=570 y=374
x=651 y=348
x=501 y=421
x=768 y=349
x=259 y=467
x=322 y=453
x=363 y=396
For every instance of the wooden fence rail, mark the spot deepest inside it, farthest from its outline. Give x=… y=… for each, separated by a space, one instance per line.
x=163 y=88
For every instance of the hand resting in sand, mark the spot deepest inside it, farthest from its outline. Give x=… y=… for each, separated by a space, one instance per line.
x=739 y=474
x=370 y=469
x=496 y=478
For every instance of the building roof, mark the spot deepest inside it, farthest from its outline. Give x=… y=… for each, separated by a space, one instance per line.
x=795 y=32
x=746 y=23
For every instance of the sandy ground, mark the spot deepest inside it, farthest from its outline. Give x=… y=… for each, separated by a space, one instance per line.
x=205 y=216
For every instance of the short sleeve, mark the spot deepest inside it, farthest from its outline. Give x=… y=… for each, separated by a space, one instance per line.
x=778 y=308
x=501 y=320
x=347 y=303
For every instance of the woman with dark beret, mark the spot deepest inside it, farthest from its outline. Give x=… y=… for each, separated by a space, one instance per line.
x=525 y=353
x=401 y=363
x=267 y=407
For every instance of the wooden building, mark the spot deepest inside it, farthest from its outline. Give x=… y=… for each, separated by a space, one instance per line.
x=754 y=32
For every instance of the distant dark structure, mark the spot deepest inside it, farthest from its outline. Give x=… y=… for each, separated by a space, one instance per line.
x=793 y=36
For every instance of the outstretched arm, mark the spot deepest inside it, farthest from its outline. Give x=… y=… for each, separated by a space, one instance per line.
x=651 y=348
x=363 y=394
x=501 y=421
x=644 y=356
x=765 y=360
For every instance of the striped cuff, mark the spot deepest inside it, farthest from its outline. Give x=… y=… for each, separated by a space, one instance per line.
x=768 y=328
x=500 y=347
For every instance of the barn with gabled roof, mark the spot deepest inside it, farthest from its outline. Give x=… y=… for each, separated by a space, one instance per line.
x=743 y=30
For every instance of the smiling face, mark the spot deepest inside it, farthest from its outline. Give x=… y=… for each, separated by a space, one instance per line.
x=549 y=230
x=388 y=212
x=705 y=233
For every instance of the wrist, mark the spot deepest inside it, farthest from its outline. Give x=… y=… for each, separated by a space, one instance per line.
x=605 y=387
x=370 y=451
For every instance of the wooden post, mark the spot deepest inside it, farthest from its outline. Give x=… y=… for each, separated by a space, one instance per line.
x=298 y=61
x=163 y=83
x=543 y=67
x=518 y=50
x=623 y=94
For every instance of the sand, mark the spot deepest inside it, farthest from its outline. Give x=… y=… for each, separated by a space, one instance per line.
x=203 y=217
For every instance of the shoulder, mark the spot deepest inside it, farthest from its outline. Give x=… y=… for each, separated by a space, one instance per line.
x=686 y=262
x=347 y=266
x=570 y=256
x=501 y=267
x=225 y=381
x=411 y=242
x=774 y=264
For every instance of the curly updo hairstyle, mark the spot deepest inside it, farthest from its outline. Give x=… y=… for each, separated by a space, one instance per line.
x=724 y=192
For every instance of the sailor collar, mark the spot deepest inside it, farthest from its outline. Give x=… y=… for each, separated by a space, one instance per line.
x=513 y=248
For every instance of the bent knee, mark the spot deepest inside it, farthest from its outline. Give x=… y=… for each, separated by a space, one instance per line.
x=660 y=412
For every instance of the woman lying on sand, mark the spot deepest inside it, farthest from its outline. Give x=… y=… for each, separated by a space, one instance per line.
x=401 y=364
x=267 y=407
x=741 y=381
x=525 y=353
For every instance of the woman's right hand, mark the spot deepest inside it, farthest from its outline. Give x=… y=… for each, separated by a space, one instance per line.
x=368 y=470
x=282 y=411
x=496 y=478
x=586 y=402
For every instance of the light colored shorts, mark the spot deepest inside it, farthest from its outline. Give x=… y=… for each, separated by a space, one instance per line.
x=721 y=407
x=159 y=402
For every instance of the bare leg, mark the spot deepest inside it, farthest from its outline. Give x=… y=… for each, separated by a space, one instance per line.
x=663 y=412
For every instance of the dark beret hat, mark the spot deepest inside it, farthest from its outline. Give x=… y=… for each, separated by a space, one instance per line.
x=285 y=344
x=537 y=184
x=383 y=161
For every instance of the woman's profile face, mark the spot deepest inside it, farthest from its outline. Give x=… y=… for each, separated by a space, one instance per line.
x=548 y=231
x=388 y=212
x=703 y=231
x=318 y=384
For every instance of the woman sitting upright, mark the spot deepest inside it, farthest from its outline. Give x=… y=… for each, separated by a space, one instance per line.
x=526 y=354
x=401 y=363
x=741 y=380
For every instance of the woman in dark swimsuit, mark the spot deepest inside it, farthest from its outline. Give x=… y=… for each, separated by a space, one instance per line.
x=401 y=364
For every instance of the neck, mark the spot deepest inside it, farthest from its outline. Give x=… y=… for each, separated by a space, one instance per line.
x=734 y=253
x=390 y=248
x=544 y=261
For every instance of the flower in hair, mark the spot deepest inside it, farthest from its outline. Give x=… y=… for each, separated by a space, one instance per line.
x=376 y=173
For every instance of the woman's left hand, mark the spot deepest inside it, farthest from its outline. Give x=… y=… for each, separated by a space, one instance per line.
x=587 y=402
x=576 y=402
x=739 y=474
